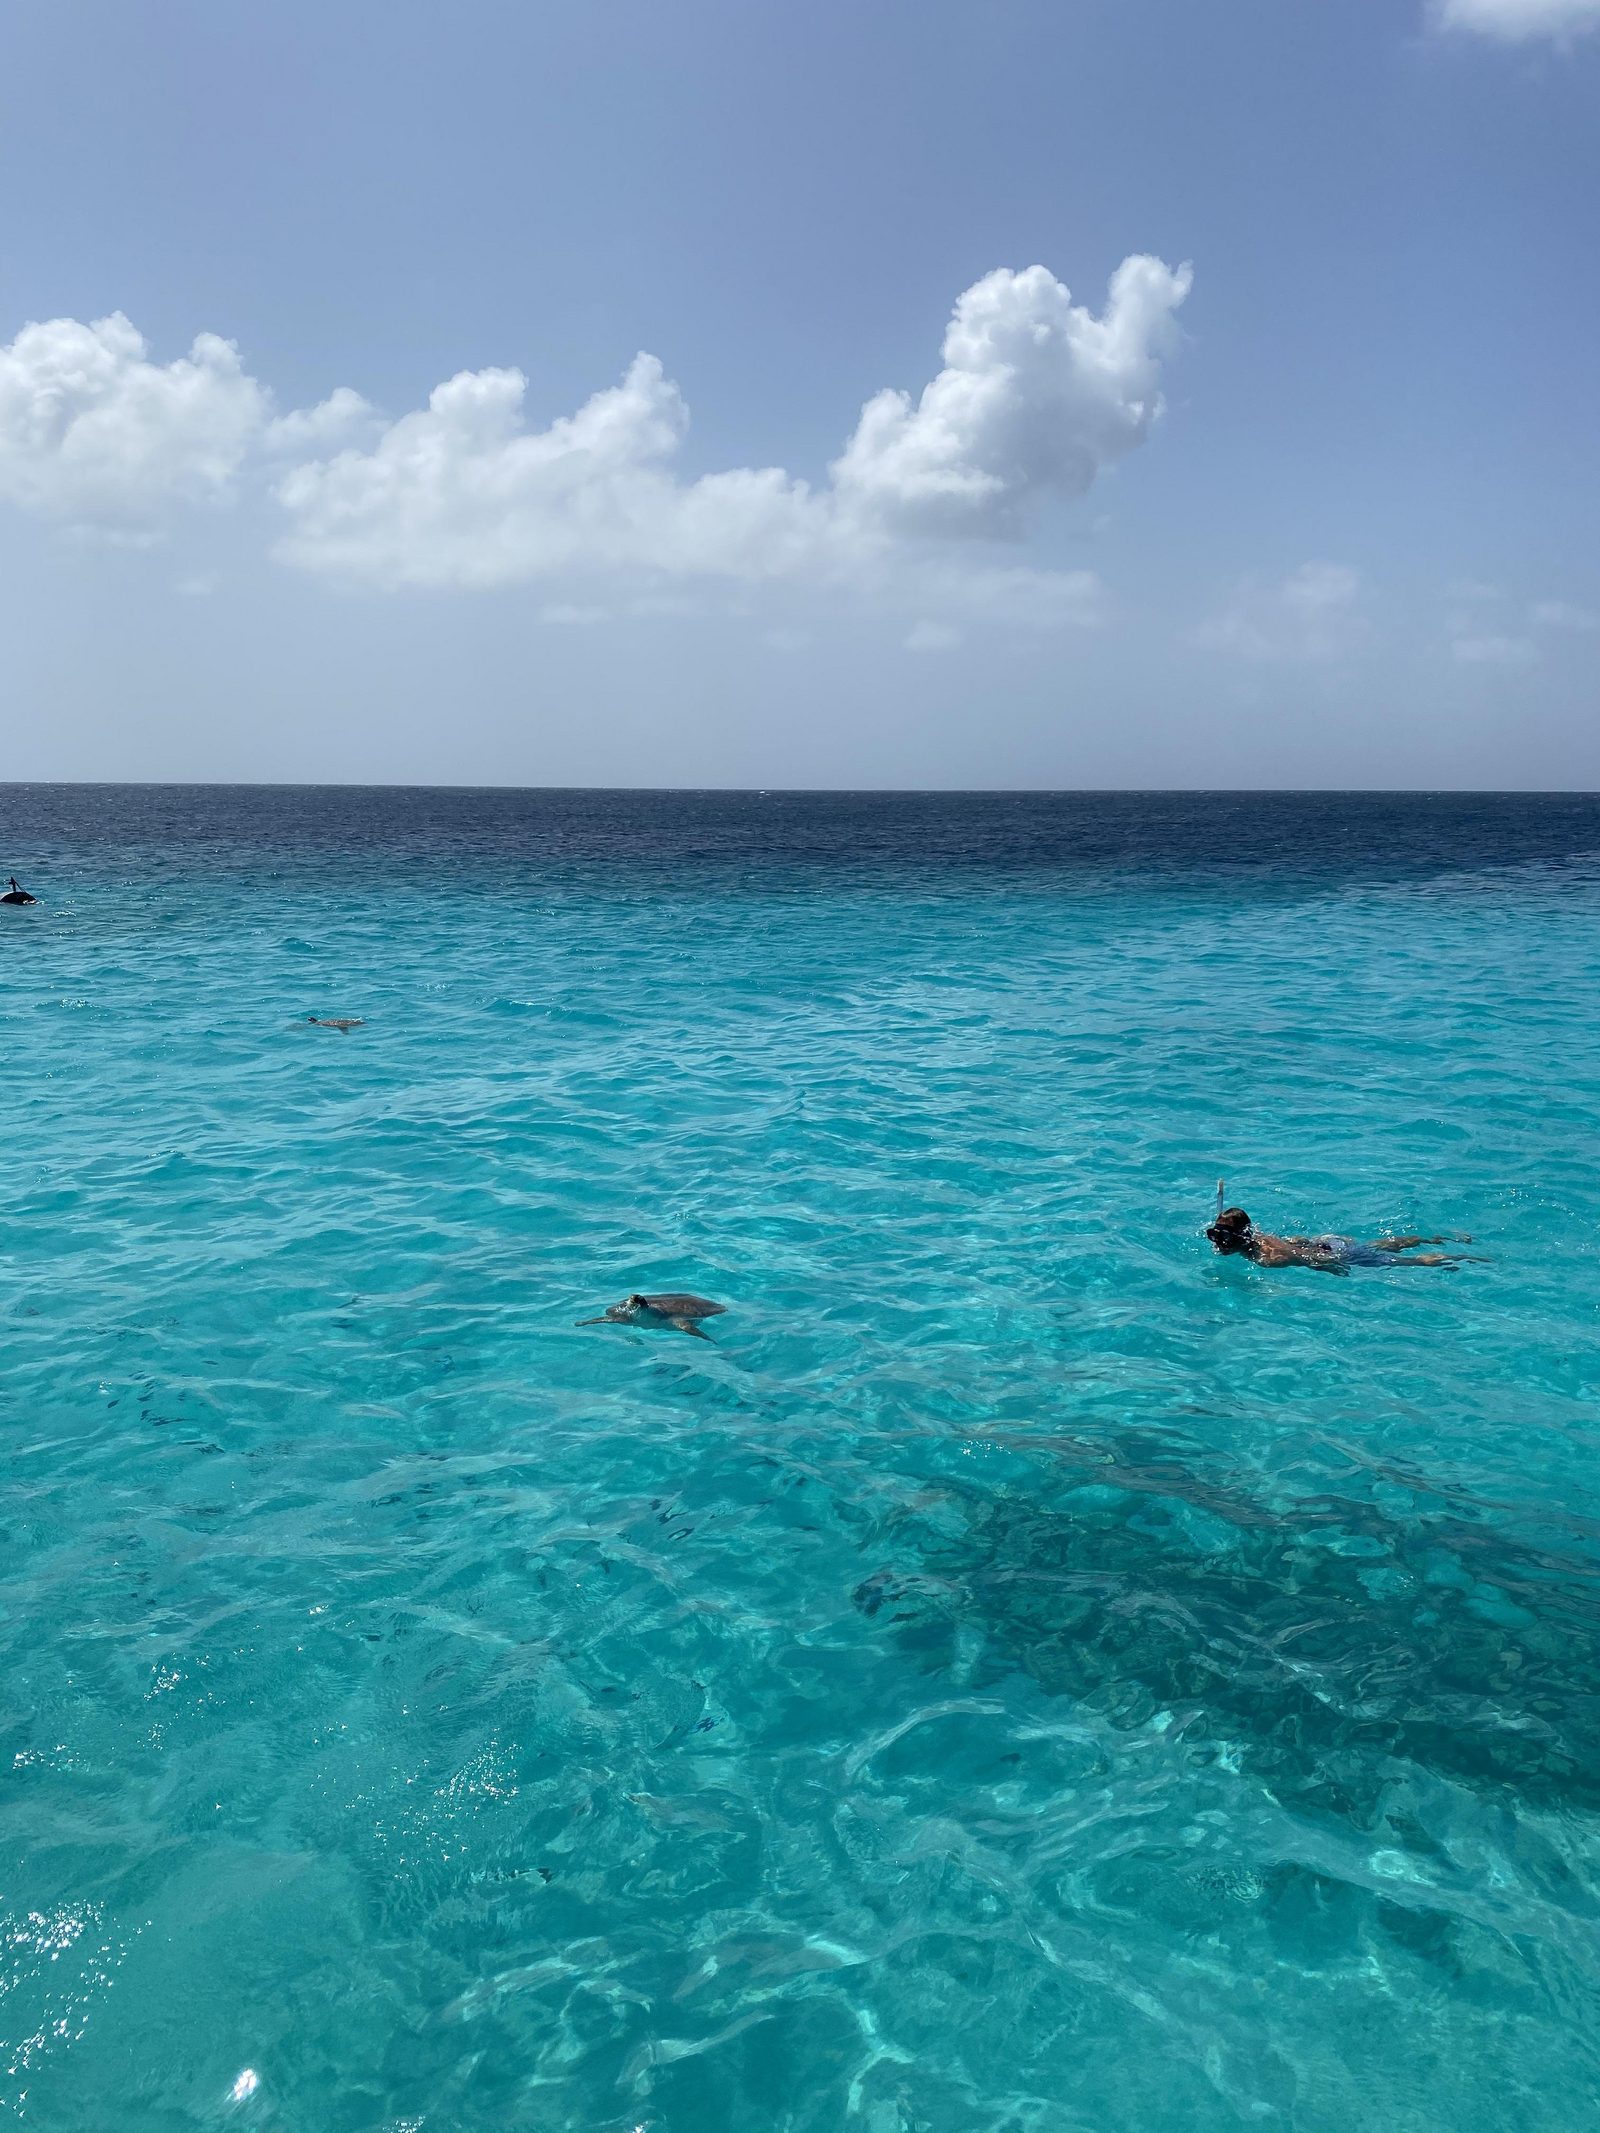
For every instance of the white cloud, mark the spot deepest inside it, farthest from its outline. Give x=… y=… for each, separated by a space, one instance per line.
x=1491 y=648
x=1515 y=21
x=96 y=435
x=678 y=604
x=1036 y=397
x=462 y=493
x=1485 y=628
x=344 y=418
x=93 y=432
x=1013 y=598
x=932 y=637
x=1313 y=614
x=1023 y=597
x=1563 y=615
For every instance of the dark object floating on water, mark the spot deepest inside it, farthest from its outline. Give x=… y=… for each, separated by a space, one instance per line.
x=681 y=1311
x=344 y=1024
x=17 y=894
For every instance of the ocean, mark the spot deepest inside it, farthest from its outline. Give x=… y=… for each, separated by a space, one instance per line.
x=1023 y=1674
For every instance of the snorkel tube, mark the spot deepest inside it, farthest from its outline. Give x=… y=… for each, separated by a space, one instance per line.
x=1235 y=1237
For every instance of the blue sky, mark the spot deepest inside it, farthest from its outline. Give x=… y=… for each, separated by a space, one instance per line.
x=1298 y=486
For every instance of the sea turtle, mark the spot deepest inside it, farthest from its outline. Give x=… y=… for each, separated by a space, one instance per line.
x=344 y=1024
x=676 y=1310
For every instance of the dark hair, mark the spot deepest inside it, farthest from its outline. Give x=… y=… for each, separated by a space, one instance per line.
x=1231 y=1230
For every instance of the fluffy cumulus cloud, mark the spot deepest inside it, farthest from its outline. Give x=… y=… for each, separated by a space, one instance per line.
x=1037 y=395
x=1035 y=398
x=463 y=493
x=344 y=418
x=93 y=432
x=1313 y=614
x=1515 y=21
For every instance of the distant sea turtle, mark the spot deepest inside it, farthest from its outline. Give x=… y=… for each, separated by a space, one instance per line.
x=676 y=1310
x=344 y=1024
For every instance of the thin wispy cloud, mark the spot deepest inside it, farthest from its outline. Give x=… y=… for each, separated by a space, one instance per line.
x=932 y=637
x=1315 y=613
x=1519 y=21
x=1484 y=629
x=1564 y=615
x=1487 y=629
x=1492 y=648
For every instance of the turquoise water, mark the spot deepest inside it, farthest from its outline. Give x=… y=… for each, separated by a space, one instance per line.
x=1027 y=1673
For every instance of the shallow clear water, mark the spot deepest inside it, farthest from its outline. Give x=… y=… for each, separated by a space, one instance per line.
x=1026 y=1674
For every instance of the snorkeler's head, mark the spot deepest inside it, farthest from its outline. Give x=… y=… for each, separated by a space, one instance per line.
x=1231 y=1232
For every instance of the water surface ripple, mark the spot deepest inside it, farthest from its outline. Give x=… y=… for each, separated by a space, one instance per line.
x=1025 y=1676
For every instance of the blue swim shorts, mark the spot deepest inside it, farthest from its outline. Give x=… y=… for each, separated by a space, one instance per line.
x=1350 y=1251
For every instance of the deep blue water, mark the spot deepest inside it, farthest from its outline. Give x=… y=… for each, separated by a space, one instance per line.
x=1025 y=1675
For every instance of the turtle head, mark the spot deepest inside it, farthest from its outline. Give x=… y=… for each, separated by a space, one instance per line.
x=633 y=1305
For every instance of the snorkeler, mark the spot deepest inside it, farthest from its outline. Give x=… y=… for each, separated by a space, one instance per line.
x=17 y=894
x=1234 y=1232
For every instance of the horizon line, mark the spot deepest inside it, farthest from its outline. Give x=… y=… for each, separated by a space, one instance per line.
x=1015 y=792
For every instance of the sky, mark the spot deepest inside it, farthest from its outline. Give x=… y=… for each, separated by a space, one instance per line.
x=1053 y=393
